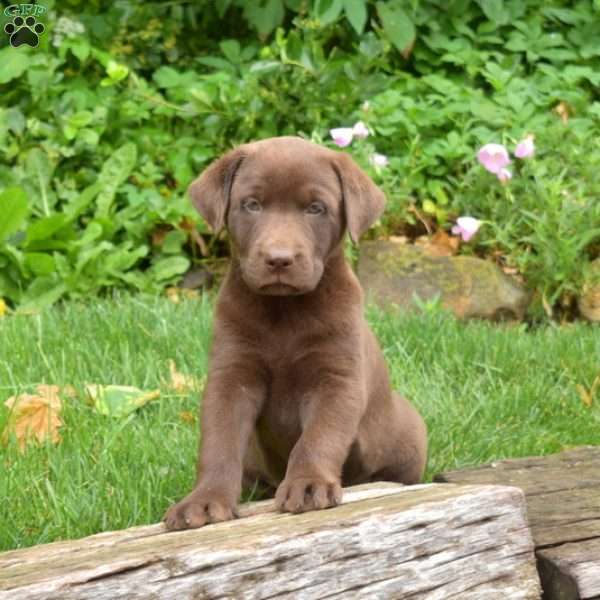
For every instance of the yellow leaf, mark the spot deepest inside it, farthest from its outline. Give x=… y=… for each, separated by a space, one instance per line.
x=563 y=110
x=187 y=417
x=585 y=396
x=118 y=400
x=3 y=307
x=547 y=308
x=181 y=383
x=176 y=295
x=34 y=417
x=429 y=207
x=173 y=294
x=190 y=294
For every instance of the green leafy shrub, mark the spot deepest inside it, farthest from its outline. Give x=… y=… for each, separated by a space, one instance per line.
x=103 y=126
x=546 y=221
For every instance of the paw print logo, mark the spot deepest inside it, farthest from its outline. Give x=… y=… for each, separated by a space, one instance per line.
x=24 y=31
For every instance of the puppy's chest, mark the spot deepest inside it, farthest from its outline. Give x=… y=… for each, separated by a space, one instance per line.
x=290 y=367
x=279 y=424
x=291 y=364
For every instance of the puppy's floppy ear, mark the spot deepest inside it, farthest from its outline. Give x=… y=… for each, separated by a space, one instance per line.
x=210 y=192
x=363 y=200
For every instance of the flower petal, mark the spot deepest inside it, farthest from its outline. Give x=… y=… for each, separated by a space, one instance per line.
x=466 y=227
x=525 y=148
x=504 y=175
x=360 y=130
x=493 y=157
x=342 y=136
x=469 y=223
x=379 y=160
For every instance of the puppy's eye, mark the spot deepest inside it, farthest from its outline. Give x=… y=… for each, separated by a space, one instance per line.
x=251 y=205
x=316 y=208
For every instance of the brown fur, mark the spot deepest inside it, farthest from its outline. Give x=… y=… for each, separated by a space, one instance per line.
x=298 y=394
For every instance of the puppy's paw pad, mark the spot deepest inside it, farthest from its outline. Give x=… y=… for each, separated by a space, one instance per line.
x=302 y=494
x=196 y=511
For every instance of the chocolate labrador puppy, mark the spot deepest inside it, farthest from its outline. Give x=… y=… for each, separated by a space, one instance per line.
x=298 y=394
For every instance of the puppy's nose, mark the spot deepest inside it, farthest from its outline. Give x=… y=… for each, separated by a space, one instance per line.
x=279 y=258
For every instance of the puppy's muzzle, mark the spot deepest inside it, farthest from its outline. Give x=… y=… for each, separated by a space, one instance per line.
x=278 y=260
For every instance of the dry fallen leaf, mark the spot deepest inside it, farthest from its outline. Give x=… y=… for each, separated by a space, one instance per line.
x=587 y=396
x=181 y=383
x=159 y=234
x=408 y=50
x=439 y=244
x=34 y=417
x=510 y=270
x=547 y=307
x=175 y=294
x=563 y=111
x=190 y=294
x=187 y=417
x=398 y=239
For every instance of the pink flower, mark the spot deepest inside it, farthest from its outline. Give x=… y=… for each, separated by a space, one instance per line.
x=525 y=148
x=493 y=157
x=504 y=175
x=360 y=130
x=342 y=136
x=379 y=160
x=466 y=227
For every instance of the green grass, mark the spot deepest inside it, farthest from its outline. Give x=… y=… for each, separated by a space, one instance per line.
x=486 y=392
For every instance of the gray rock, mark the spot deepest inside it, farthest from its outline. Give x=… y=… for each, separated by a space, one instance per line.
x=589 y=300
x=197 y=278
x=470 y=287
x=207 y=276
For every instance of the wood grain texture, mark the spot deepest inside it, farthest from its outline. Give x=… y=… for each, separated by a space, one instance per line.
x=563 y=507
x=384 y=541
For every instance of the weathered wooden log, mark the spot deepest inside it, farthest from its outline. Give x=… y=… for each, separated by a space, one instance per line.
x=384 y=541
x=563 y=506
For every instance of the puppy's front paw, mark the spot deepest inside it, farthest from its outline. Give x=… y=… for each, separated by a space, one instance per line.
x=307 y=493
x=198 y=509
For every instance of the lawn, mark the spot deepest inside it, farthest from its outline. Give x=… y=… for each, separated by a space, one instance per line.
x=487 y=392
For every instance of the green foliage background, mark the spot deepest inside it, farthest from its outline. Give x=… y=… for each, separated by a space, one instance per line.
x=106 y=122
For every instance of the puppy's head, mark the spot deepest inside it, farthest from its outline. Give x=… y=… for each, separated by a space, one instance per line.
x=286 y=203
